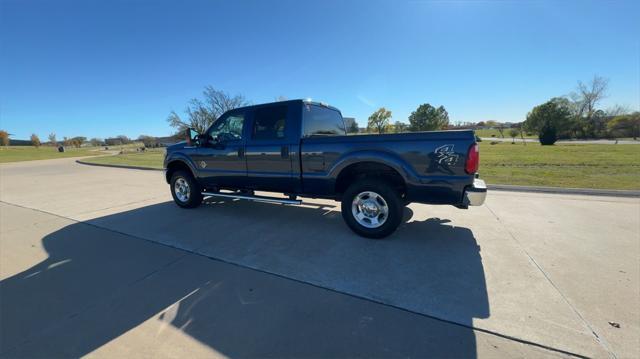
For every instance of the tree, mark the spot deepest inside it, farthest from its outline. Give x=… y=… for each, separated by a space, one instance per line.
x=617 y=110
x=202 y=113
x=379 y=120
x=588 y=121
x=399 y=127
x=428 y=118
x=588 y=95
x=548 y=119
x=351 y=124
x=625 y=125
x=95 y=141
x=35 y=140
x=148 y=141
x=4 y=138
x=52 y=139
x=500 y=127
x=78 y=141
x=513 y=133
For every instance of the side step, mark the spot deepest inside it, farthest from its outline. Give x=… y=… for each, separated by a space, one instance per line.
x=252 y=198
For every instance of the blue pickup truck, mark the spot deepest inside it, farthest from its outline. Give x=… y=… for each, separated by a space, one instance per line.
x=301 y=149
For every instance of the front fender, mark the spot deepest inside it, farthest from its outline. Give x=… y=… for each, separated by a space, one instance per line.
x=179 y=157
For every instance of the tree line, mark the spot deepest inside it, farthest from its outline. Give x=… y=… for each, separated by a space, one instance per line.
x=574 y=116
x=425 y=118
x=79 y=141
x=578 y=115
x=202 y=112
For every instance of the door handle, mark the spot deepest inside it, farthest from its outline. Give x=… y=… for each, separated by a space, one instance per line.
x=240 y=152
x=284 y=151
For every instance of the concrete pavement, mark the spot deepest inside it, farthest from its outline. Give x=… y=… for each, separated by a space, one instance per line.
x=551 y=270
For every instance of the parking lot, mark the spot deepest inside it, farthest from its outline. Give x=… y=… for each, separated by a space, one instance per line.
x=100 y=261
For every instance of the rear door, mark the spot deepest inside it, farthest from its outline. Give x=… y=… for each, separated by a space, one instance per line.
x=270 y=146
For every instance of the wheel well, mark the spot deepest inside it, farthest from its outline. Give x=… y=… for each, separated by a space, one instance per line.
x=361 y=170
x=176 y=166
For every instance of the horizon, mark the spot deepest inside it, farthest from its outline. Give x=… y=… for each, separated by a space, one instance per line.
x=119 y=68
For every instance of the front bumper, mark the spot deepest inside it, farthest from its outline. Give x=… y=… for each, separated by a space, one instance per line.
x=475 y=194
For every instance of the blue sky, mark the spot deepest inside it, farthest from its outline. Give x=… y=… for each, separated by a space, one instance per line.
x=104 y=68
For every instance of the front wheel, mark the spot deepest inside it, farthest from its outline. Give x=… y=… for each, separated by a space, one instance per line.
x=185 y=190
x=372 y=208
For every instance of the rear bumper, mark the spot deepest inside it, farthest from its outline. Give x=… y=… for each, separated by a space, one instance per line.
x=475 y=194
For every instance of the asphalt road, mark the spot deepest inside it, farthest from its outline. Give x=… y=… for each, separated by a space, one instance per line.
x=99 y=261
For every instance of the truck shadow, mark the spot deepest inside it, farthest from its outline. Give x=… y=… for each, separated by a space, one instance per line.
x=98 y=284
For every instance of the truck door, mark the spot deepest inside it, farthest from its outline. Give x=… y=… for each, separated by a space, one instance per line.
x=221 y=161
x=270 y=148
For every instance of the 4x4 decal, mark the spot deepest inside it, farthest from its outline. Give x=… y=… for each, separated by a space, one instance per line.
x=445 y=155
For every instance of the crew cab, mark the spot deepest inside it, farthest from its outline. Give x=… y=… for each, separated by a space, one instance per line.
x=301 y=149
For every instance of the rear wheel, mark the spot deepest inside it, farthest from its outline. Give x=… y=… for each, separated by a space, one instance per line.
x=372 y=208
x=185 y=190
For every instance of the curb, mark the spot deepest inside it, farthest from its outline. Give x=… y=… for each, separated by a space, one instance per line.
x=559 y=190
x=119 y=166
x=493 y=187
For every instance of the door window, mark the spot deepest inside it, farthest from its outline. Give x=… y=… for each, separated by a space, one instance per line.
x=269 y=123
x=228 y=129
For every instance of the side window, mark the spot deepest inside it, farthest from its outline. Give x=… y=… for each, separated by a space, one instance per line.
x=322 y=121
x=229 y=128
x=269 y=123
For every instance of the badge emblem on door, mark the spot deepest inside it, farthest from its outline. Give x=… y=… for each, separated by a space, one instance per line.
x=203 y=164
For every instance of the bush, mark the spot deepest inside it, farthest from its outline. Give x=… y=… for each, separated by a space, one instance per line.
x=547 y=135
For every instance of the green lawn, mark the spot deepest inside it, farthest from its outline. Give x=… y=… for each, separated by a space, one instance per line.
x=30 y=153
x=579 y=166
x=150 y=158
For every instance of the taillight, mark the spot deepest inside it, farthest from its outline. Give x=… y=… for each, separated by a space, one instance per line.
x=473 y=159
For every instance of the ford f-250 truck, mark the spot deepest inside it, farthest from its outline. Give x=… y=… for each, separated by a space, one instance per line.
x=301 y=148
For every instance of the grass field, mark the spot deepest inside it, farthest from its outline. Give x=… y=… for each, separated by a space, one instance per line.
x=30 y=153
x=151 y=158
x=579 y=166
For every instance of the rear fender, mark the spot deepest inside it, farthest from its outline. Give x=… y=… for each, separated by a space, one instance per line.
x=385 y=158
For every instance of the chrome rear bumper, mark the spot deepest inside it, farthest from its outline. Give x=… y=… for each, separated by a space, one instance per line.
x=475 y=194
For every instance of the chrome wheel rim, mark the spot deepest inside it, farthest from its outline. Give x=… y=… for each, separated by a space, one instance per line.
x=182 y=190
x=369 y=209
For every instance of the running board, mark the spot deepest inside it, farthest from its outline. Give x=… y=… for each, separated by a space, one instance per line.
x=253 y=198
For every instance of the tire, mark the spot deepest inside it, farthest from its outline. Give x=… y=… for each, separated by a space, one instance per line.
x=364 y=204
x=185 y=190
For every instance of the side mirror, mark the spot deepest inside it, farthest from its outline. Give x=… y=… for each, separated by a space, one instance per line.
x=192 y=136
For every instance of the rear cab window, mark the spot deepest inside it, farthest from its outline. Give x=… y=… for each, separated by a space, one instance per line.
x=321 y=121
